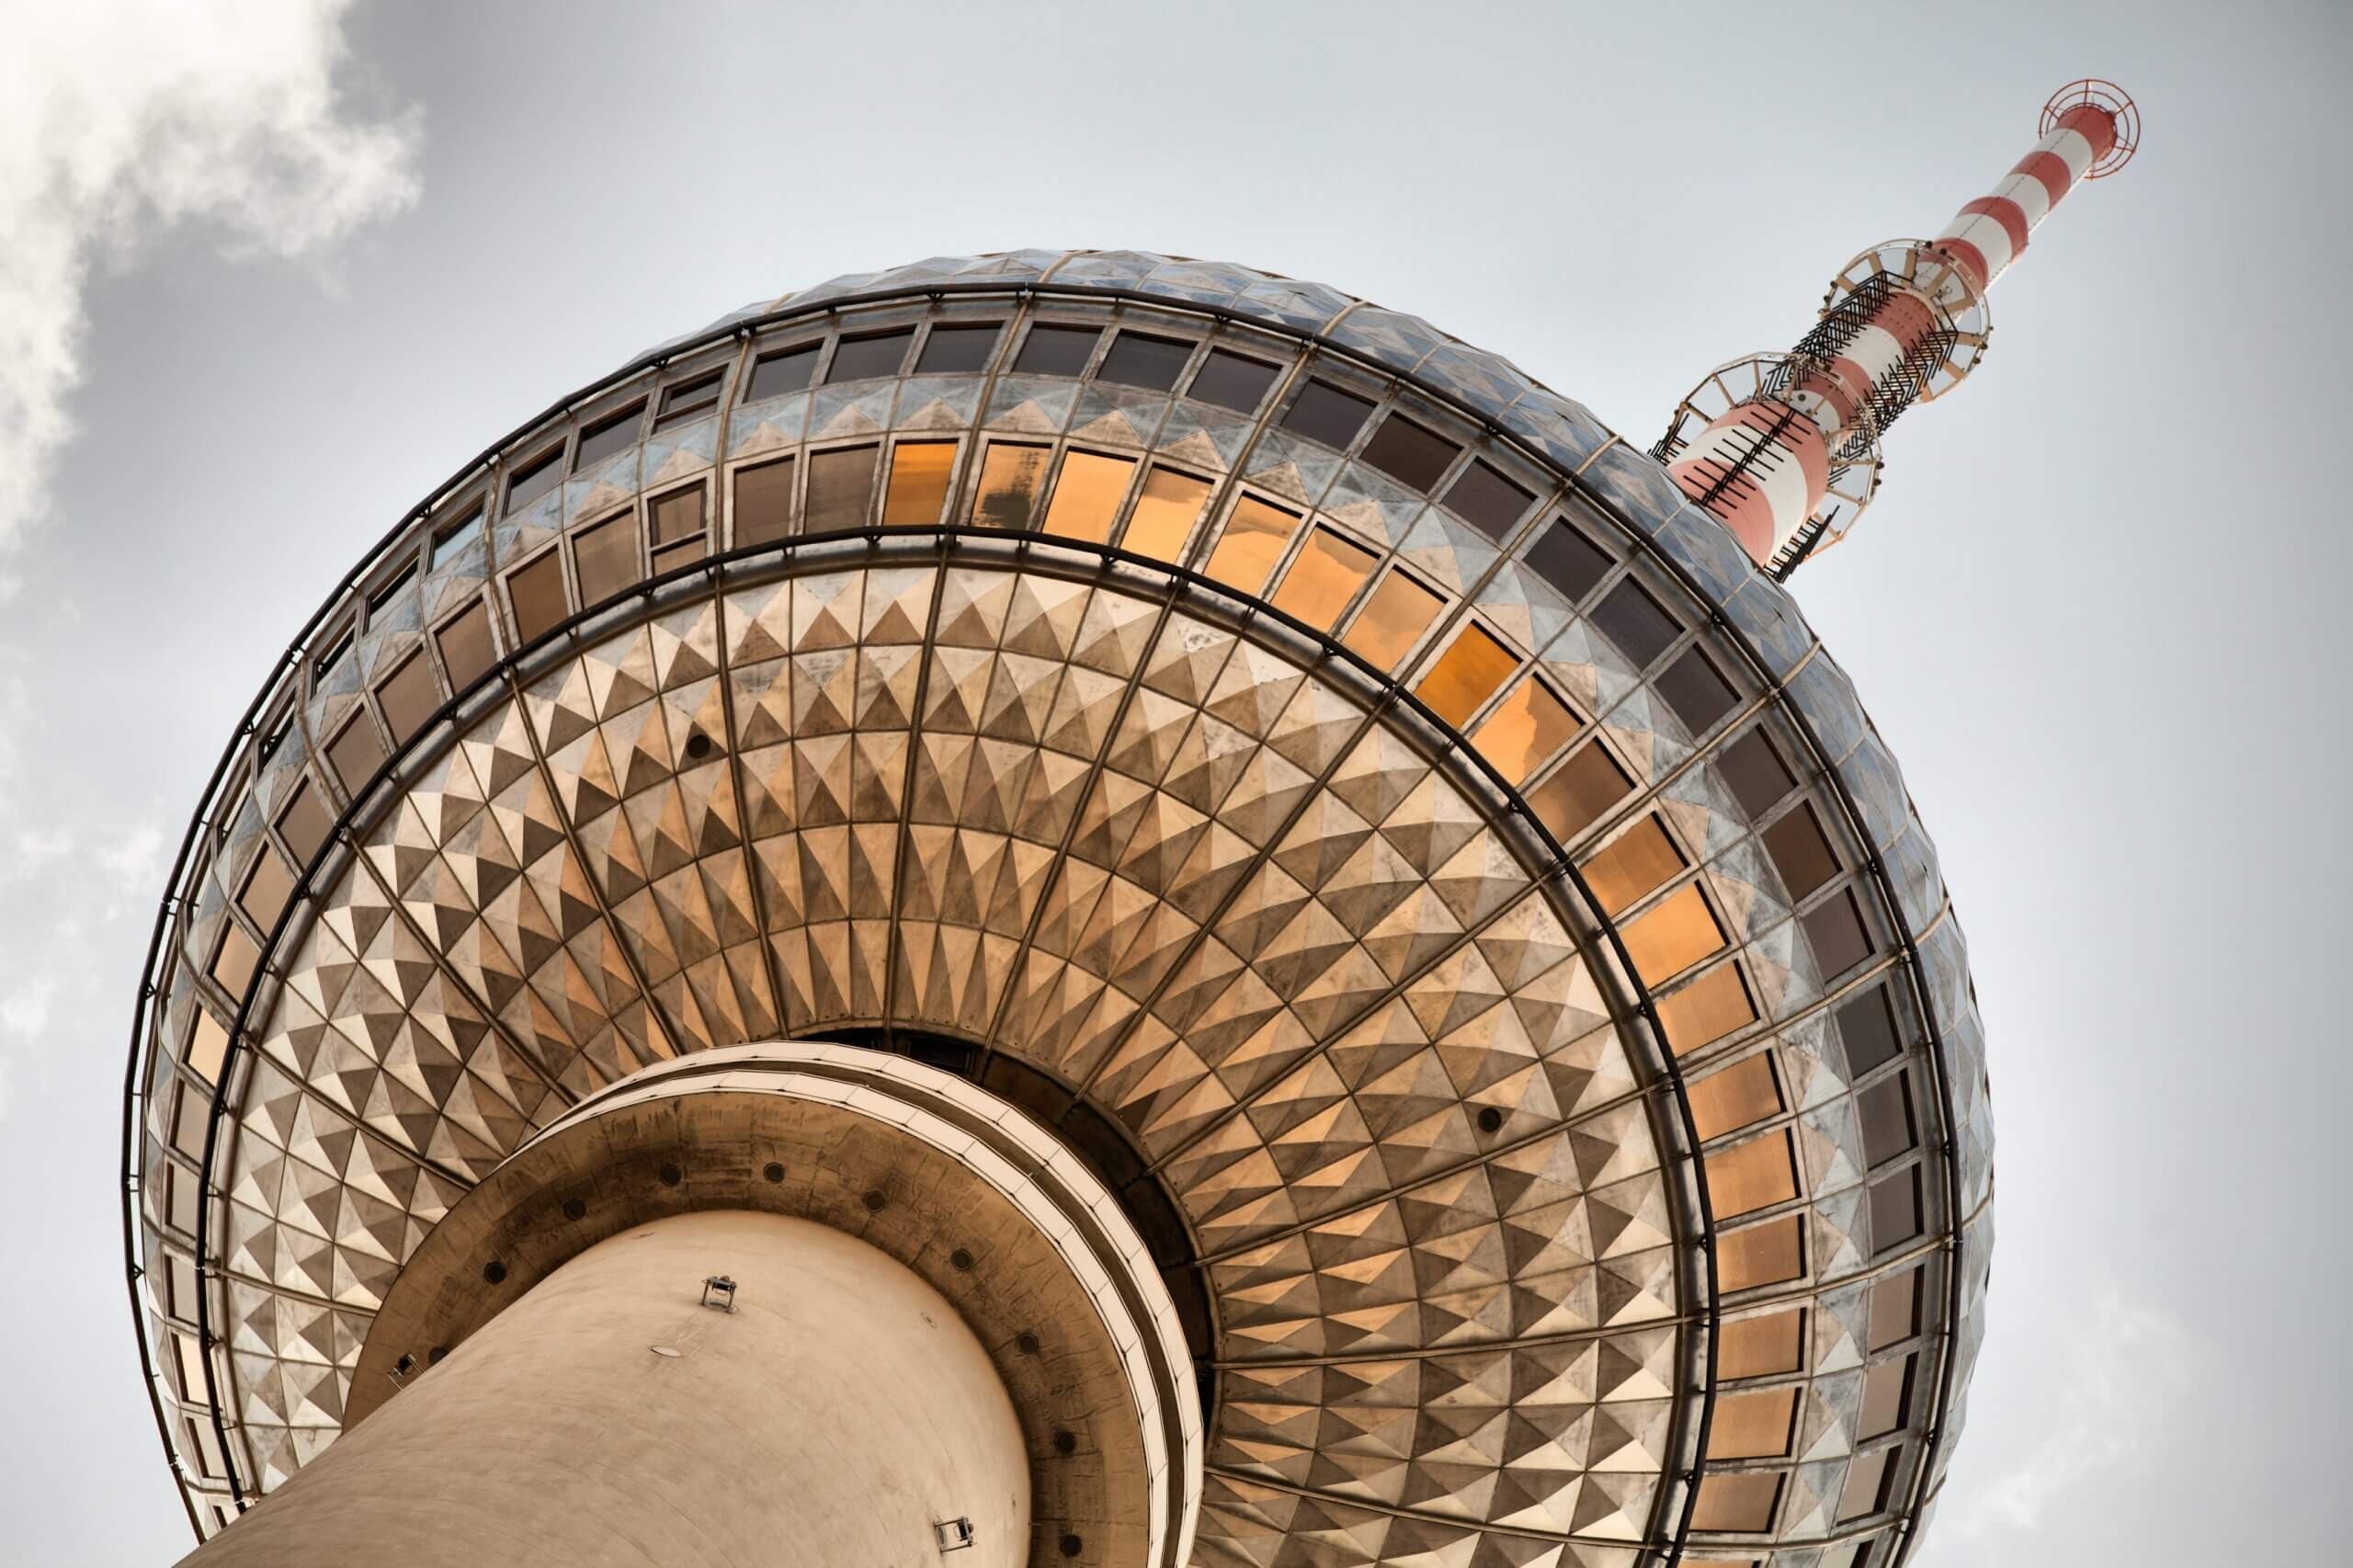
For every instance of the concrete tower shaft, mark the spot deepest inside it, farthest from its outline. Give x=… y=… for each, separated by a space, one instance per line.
x=1783 y=449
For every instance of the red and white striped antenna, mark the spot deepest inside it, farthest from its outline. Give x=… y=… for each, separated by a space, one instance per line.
x=1784 y=449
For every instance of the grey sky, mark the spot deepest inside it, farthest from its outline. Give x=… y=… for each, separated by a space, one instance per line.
x=2095 y=614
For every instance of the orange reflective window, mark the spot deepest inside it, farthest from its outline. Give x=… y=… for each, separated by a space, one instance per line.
x=1323 y=576
x=235 y=961
x=1465 y=676
x=1640 y=858
x=1392 y=622
x=1753 y=1426
x=1740 y=1095
x=1705 y=1011
x=1008 y=492
x=1087 y=495
x=1165 y=514
x=1527 y=727
x=1761 y=1346
x=605 y=556
x=1737 y=1500
x=1761 y=1254
x=1579 y=793
x=1253 y=540
x=918 y=489
x=1751 y=1176
x=268 y=886
x=1673 y=935
x=208 y=1047
x=1886 y=1399
x=1869 y=1480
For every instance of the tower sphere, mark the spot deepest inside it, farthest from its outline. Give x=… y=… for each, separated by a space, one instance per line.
x=1366 y=956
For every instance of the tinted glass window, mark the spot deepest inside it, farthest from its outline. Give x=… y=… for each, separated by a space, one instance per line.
x=304 y=823
x=951 y=349
x=786 y=371
x=1136 y=360
x=1867 y=1028
x=1568 y=560
x=614 y=433
x=678 y=515
x=683 y=400
x=1577 y=793
x=534 y=477
x=355 y=753
x=605 y=557
x=1836 y=929
x=1254 y=538
x=1057 y=350
x=268 y=886
x=467 y=652
x=1753 y=773
x=918 y=489
x=1471 y=670
x=1231 y=382
x=763 y=502
x=1009 y=489
x=1087 y=495
x=1324 y=413
x=1164 y=513
x=1322 y=577
x=1895 y=1209
x=537 y=591
x=1799 y=852
x=1699 y=695
x=1392 y=622
x=841 y=483
x=861 y=358
x=1635 y=622
x=408 y=696
x=1409 y=454
x=457 y=536
x=1885 y=1111
x=1487 y=500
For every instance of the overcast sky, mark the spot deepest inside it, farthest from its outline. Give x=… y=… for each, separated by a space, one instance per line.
x=266 y=278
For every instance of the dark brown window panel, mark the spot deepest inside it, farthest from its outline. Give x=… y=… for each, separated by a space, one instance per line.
x=537 y=590
x=763 y=502
x=355 y=752
x=1056 y=350
x=1696 y=691
x=1409 y=453
x=682 y=400
x=1866 y=1030
x=1754 y=773
x=841 y=485
x=1487 y=500
x=1836 y=929
x=604 y=556
x=534 y=477
x=1632 y=619
x=609 y=436
x=1232 y=381
x=784 y=371
x=1885 y=1112
x=1324 y=413
x=1568 y=560
x=467 y=651
x=408 y=696
x=1153 y=363
x=863 y=359
x=1799 y=851
x=304 y=823
x=955 y=349
x=1895 y=1210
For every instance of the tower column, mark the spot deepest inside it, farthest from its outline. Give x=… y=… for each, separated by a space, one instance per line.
x=837 y=1411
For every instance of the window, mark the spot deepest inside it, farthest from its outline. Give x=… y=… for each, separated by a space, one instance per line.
x=1324 y=413
x=613 y=434
x=1895 y=1209
x=235 y=960
x=1736 y=1500
x=268 y=886
x=1153 y=363
x=208 y=1047
x=1835 y=928
x=181 y=1272
x=1692 y=686
x=676 y=521
x=682 y=400
x=1749 y=1177
x=408 y=696
x=1753 y=774
x=304 y=823
x=841 y=486
x=1636 y=861
x=1755 y=1424
x=1866 y=1029
x=1705 y=1011
x=1525 y=727
x=1895 y=1308
x=1087 y=495
x=1672 y=936
x=1165 y=514
x=954 y=349
x=467 y=651
x=1487 y=500
x=763 y=502
x=1229 y=380
x=537 y=591
x=1741 y=1096
x=1473 y=668
x=1010 y=477
x=1760 y=1255
x=390 y=591
x=534 y=477
x=191 y=1112
x=1887 y=1390
x=1634 y=621
x=876 y=354
x=1885 y=1111
x=456 y=537
x=605 y=557
x=1568 y=560
x=1409 y=454
x=1869 y=1477
x=1799 y=852
x=323 y=665
x=1253 y=538
x=1765 y=1346
x=784 y=371
x=356 y=752
x=1322 y=577
x=1056 y=350
x=1579 y=793
x=917 y=493
x=1392 y=622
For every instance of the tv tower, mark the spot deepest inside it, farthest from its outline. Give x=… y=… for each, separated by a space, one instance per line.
x=1784 y=449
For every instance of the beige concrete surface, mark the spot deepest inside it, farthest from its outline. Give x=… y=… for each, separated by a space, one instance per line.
x=839 y=1412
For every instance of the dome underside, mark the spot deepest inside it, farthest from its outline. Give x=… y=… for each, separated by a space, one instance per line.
x=1440 y=1116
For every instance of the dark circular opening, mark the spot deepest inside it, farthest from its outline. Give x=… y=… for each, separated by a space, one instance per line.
x=671 y=1175
x=874 y=1200
x=495 y=1271
x=1065 y=1442
x=433 y=1357
x=772 y=1171
x=697 y=746
x=1026 y=1341
x=1073 y=1546
x=1489 y=1118
x=573 y=1208
x=962 y=1259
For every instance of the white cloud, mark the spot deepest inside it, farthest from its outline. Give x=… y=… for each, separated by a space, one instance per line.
x=119 y=119
x=2124 y=1371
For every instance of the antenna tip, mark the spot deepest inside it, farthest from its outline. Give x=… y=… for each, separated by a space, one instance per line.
x=2095 y=93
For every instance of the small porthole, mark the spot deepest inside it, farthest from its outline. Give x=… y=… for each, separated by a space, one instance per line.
x=874 y=1200
x=494 y=1272
x=772 y=1171
x=962 y=1259
x=573 y=1208
x=1065 y=1442
x=671 y=1175
x=1490 y=1119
